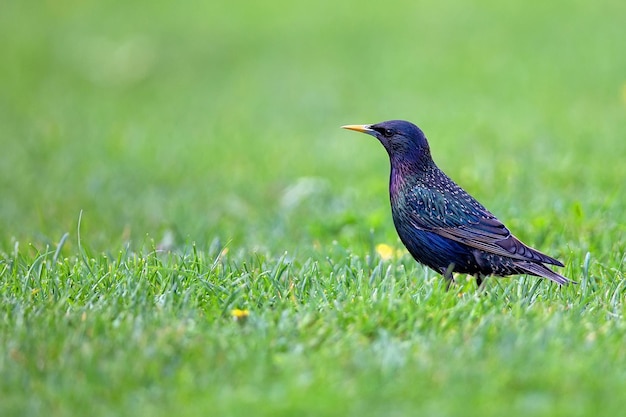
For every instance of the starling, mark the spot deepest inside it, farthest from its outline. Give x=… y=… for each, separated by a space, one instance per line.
x=441 y=225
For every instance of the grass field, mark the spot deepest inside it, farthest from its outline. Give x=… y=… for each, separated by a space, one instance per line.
x=185 y=230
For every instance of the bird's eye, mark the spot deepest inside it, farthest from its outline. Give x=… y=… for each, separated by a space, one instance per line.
x=387 y=133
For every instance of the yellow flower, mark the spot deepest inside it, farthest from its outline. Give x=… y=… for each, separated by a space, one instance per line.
x=240 y=315
x=384 y=251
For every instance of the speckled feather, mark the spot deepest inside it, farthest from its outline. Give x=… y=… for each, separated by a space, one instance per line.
x=442 y=226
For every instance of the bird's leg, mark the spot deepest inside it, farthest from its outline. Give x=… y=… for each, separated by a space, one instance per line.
x=479 y=280
x=448 y=275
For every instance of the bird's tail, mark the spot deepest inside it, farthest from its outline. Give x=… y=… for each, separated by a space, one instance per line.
x=541 y=270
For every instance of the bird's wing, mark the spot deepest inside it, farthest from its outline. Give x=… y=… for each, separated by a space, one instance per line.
x=465 y=220
x=508 y=246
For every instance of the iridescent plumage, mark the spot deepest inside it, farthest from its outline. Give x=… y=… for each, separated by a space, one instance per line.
x=441 y=225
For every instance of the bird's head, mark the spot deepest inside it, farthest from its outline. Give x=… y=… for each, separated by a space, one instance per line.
x=403 y=140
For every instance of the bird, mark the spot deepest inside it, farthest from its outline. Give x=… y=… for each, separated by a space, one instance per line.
x=442 y=225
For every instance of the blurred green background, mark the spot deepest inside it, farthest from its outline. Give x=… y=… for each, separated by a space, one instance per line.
x=174 y=124
x=201 y=117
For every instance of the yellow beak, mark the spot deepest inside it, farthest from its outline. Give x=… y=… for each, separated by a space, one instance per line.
x=359 y=128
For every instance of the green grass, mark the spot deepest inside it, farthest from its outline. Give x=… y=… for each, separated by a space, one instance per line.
x=164 y=164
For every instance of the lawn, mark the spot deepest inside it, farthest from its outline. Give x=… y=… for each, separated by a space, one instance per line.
x=185 y=229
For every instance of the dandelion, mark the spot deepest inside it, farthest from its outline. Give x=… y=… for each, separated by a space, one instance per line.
x=239 y=315
x=384 y=251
